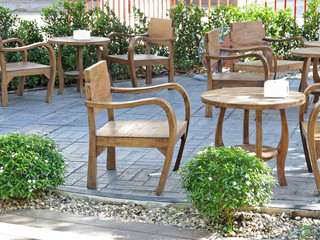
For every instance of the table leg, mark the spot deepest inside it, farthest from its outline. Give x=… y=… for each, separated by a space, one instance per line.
x=246 y=127
x=283 y=149
x=304 y=75
x=218 y=142
x=316 y=78
x=80 y=69
x=60 y=70
x=259 y=134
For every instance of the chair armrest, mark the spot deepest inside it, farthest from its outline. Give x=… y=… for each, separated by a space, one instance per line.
x=164 y=104
x=233 y=57
x=114 y=34
x=298 y=38
x=23 y=49
x=307 y=92
x=312 y=122
x=9 y=40
x=174 y=86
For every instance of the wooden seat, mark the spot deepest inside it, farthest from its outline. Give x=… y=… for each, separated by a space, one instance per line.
x=24 y=68
x=246 y=34
x=160 y=32
x=310 y=135
x=230 y=79
x=160 y=134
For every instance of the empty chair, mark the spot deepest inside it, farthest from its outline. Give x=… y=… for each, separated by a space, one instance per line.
x=160 y=134
x=310 y=135
x=24 y=68
x=231 y=79
x=161 y=32
x=248 y=34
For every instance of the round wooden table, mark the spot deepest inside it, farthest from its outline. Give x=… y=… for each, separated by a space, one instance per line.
x=307 y=53
x=61 y=41
x=252 y=98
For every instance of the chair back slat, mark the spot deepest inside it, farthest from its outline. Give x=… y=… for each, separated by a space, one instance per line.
x=161 y=28
x=98 y=84
x=246 y=34
x=212 y=44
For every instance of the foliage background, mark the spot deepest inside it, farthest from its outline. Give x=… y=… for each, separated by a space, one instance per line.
x=191 y=24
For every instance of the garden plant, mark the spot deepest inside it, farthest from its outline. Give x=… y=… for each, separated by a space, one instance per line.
x=221 y=181
x=29 y=165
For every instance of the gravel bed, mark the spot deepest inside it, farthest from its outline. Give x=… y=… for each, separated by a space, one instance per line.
x=249 y=224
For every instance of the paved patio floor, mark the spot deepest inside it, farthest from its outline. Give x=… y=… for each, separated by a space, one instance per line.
x=138 y=170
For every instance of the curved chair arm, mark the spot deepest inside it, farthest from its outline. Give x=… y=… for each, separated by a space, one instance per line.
x=9 y=40
x=233 y=57
x=35 y=45
x=136 y=39
x=255 y=48
x=307 y=92
x=174 y=86
x=164 y=104
x=298 y=38
x=114 y=34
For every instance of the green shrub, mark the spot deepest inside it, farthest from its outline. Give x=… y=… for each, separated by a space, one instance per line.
x=29 y=165
x=221 y=181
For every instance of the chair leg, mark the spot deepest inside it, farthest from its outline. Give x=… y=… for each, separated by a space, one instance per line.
x=50 y=86
x=208 y=112
x=109 y=68
x=92 y=168
x=178 y=161
x=22 y=82
x=315 y=166
x=111 y=158
x=133 y=75
x=305 y=149
x=4 y=93
x=165 y=170
x=171 y=72
x=149 y=74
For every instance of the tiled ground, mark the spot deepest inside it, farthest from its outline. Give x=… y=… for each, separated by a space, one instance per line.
x=137 y=174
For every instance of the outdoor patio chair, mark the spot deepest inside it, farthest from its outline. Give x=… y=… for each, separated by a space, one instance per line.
x=231 y=79
x=246 y=34
x=310 y=135
x=160 y=32
x=24 y=68
x=160 y=134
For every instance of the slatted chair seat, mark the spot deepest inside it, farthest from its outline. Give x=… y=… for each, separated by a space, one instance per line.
x=159 y=134
x=141 y=59
x=24 y=68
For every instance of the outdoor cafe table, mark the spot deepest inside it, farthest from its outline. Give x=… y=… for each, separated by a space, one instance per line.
x=61 y=41
x=252 y=98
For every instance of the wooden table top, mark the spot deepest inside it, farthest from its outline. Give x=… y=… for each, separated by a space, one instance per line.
x=313 y=52
x=251 y=98
x=74 y=42
x=312 y=44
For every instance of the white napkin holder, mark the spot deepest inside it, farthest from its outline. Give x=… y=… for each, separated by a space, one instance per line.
x=276 y=88
x=81 y=34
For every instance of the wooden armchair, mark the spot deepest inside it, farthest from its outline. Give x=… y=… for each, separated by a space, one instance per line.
x=244 y=34
x=160 y=134
x=310 y=135
x=161 y=32
x=24 y=68
x=231 y=79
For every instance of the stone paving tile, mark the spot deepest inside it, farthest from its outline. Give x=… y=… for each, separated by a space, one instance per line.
x=138 y=169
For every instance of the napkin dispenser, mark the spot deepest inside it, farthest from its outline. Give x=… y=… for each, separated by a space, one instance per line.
x=276 y=88
x=81 y=34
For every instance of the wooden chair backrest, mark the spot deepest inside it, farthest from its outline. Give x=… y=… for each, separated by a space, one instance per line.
x=246 y=34
x=161 y=28
x=212 y=44
x=97 y=84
